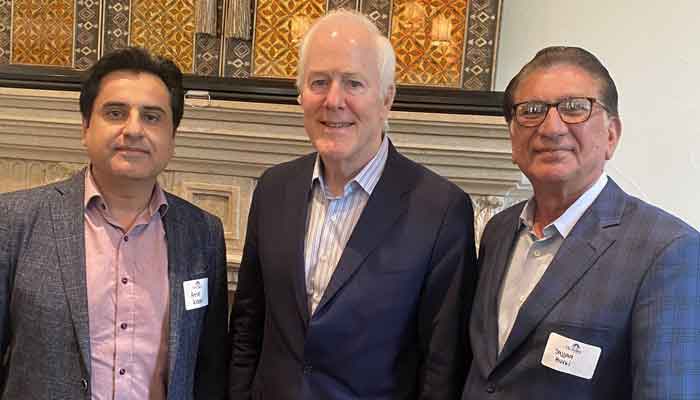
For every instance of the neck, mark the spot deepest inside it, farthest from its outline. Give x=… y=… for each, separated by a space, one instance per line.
x=126 y=198
x=337 y=176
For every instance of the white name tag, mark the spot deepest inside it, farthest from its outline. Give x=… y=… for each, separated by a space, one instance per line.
x=196 y=293
x=569 y=356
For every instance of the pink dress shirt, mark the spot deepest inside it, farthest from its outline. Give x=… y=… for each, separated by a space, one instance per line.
x=128 y=300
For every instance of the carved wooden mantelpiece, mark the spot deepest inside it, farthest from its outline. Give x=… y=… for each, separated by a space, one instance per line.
x=222 y=147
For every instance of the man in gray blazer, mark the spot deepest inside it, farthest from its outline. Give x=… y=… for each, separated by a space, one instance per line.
x=110 y=287
x=585 y=292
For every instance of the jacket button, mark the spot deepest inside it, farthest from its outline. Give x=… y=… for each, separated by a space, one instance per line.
x=308 y=369
x=84 y=384
x=490 y=388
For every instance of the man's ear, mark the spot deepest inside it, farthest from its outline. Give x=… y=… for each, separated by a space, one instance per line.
x=84 y=127
x=389 y=96
x=614 y=134
x=299 y=99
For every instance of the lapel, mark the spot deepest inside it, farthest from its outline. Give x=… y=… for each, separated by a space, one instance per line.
x=296 y=194
x=492 y=278
x=179 y=260
x=68 y=220
x=383 y=208
x=592 y=235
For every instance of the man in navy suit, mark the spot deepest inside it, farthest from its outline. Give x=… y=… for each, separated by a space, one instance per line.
x=584 y=291
x=358 y=262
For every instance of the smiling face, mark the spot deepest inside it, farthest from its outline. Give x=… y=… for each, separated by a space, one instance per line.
x=344 y=108
x=556 y=156
x=130 y=134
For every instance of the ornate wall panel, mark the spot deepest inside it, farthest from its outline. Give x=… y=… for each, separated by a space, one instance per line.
x=166 y=27
x=87 y=33
x=116 y=25
x=42 y=32
x=346 y=4
x=239 y=54
x=378 y=11
x=480 y=51
x=207 y=55
x=5 y=30
x=278 y=27
x=425 y=55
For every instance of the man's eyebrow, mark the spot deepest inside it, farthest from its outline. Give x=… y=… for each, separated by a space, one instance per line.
x=114 y=104
x=154 y=108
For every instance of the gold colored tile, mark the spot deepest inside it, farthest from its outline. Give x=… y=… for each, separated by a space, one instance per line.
x=424 y=56
x=278 y=26
x=42 y=32
x=166 y=28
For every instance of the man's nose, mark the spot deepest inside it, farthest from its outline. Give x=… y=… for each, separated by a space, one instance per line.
x=335 y=97
x=553 y=124
x=134 y=124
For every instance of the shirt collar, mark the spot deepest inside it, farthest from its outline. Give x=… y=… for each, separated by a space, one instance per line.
x=93 y=196
x=368 y=176
x=566 y=222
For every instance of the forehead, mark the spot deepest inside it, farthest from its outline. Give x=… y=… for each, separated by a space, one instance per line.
x=556 y=82
x=342 y=48
x=143 y=88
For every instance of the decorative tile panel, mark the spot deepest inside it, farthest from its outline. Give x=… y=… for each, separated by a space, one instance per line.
x=480 y=49
x=42 y=32
x=207 y=55
x=166 y=28
x=238 y=58
x=116 y=26
x=379 y=11
x=275 y=44
x=346 y=4
x=424 y=55
x=5 y=30
x=86 y=33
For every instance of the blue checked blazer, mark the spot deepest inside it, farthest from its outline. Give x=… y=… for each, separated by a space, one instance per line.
x=44 y=335
x=626 y=279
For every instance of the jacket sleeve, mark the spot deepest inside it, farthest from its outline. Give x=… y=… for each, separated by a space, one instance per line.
x=211 y=376
x=665 y=329
x=446 y=304
x=248 y=312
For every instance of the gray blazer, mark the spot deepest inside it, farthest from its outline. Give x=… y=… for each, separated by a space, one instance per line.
x=626 y=280
x=44 y=336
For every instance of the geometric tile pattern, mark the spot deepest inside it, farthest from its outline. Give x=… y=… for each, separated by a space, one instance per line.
x=480 y=49
x=115 y=33
x=86 y=33
x=5 y=30
x=420 y=58
x=346 y=4
x=166 y=28
x=207 y=54
x=275 y=47
x=42 y=32
x=378 y=11
x=238 y=58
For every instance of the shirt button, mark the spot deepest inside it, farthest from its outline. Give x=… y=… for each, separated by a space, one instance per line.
x=308 y=369
x=126 y=238
x=124 y=325
x=490 y=389
x=537 y=253
x=122 y=371
x=125 y=280
x=84 y=384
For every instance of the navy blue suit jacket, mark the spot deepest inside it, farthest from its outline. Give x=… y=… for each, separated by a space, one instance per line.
x=387 y=326
x=626 y=280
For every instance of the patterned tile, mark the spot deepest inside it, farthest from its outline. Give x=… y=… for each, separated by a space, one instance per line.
x=480 y=49
x=5 y=30
x=207 y=55
x=420 y=58
x=86 y=33
x=166 y=28
x=346 y=4
x=238 y=58
x=275 y=48
x=42 y=32
x=379 y=12
x=115 y=34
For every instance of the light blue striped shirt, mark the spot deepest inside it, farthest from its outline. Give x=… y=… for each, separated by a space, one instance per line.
x=331 y=220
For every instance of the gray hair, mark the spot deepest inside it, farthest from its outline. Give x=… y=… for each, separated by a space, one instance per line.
x=385 y=52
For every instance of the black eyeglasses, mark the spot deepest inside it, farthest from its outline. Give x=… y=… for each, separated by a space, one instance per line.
x=572 y=110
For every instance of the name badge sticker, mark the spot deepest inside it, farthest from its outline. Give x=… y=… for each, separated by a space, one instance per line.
x=196 y=293
x=570 y=356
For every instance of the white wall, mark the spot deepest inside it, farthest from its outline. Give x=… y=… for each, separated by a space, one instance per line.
x=652 y=50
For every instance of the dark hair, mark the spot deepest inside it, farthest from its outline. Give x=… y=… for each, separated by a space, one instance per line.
x=138 y=60
x=558 y=55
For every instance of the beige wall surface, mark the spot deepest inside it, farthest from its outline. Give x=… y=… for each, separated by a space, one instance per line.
x=652 y=51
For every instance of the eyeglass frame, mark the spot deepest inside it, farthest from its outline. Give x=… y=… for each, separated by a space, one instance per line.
x=592 y=100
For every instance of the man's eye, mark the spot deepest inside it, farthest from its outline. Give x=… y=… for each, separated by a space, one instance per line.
x=114 y=114
x=532 y=109
x=151 y=117
x=318 y=84
x=574 y=105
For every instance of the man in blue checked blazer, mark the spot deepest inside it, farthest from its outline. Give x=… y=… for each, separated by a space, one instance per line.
x=358 y=263
x=584 y=291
